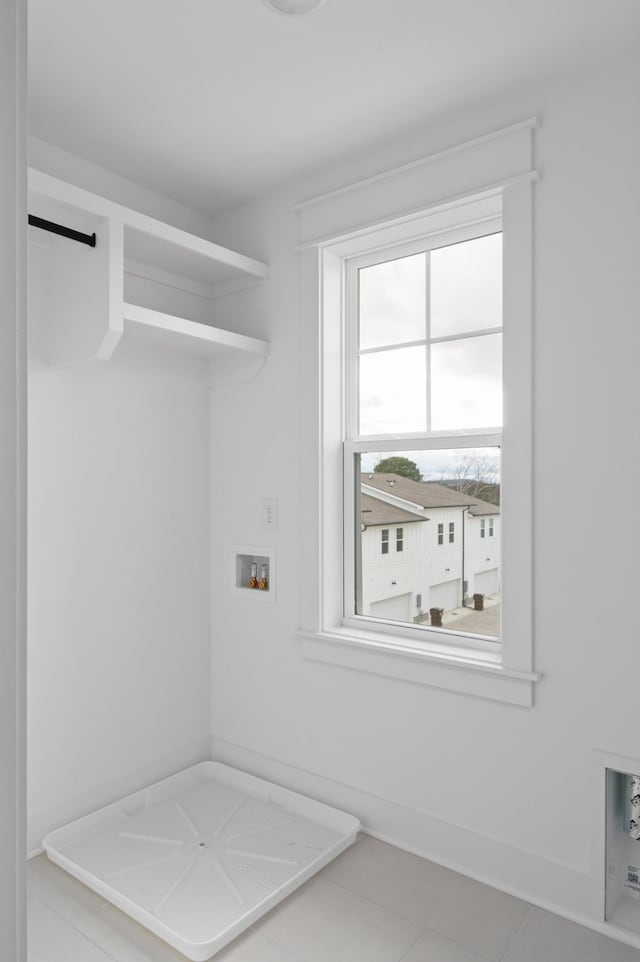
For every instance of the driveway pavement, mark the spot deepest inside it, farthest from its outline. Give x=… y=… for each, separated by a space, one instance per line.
x=485 y=622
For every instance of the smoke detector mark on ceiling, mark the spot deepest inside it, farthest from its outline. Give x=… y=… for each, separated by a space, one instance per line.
x=295 y=7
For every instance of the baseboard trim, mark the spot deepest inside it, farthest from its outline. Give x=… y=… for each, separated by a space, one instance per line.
x=550 y=885
x=609 y=929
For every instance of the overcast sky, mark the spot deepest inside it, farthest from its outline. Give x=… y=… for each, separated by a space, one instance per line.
x=463 y=289
x=436 y=465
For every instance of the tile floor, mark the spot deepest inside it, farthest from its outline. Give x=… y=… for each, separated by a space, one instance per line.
x=374 y=903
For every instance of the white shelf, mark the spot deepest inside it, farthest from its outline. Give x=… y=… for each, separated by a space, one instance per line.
x=89 y=315
x=155 y=249
x=234 y=356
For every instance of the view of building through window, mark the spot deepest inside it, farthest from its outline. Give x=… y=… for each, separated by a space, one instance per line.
x=429 y=368
x=443 y=561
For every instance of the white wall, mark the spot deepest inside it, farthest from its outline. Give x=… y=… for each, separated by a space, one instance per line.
x=13 y=127
x=119 y=635
x=403 y=756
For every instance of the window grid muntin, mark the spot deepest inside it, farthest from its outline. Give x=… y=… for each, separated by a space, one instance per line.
x=353 y=267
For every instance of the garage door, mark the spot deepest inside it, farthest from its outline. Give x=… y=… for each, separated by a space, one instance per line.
x=395 y=609
x=486 y=582
x=446 y=595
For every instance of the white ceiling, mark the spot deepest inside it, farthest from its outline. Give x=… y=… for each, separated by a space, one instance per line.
x=213 y=102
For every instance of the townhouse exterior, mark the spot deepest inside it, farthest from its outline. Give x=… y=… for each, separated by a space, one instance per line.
x=424 y=545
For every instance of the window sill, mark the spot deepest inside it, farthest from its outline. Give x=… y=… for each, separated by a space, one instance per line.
x=477 y=673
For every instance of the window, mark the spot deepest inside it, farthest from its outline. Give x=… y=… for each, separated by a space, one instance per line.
x=424 y=382
x=359 y=366
x=482 y=528
x=399 y=539
x=491 y=527
x=385 y=541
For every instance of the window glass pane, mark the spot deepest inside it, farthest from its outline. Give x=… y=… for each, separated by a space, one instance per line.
x=385 y=542
x=466 y=286
x=466 y=383
x=393 y=387
x=429 y=496
x=393 y=302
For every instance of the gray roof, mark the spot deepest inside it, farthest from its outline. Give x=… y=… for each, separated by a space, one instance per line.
x=484 y=508
x=377 y=512
x=428 y=494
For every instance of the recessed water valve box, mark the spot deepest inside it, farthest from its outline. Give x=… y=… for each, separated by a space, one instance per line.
x=622 y=881
x=254 y=572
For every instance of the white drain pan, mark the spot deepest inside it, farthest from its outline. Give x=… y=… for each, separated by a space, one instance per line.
x=198 y=857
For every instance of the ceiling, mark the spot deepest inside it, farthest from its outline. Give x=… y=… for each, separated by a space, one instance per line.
x=213 y=102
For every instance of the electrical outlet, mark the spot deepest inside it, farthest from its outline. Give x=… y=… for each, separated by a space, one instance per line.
x=270 y=514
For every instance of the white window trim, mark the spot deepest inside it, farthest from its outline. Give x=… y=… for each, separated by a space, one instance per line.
x=505 y=672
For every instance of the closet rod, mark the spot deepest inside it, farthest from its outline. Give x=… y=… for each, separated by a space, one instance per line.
x=76 y=235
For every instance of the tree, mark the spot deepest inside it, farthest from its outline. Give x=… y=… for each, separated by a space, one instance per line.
x=398 y=465
x=477 y=475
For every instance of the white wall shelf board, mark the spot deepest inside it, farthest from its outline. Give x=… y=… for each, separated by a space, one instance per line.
x=146 y=240
x=89 y=314
x=198 y=857
x=243 y=356
x=201 y=267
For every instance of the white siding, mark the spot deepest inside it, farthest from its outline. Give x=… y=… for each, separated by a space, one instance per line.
x=482 y=555
x=398 y=573
x=421 y=564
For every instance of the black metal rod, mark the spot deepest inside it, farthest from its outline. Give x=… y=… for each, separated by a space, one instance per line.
x=76 y=235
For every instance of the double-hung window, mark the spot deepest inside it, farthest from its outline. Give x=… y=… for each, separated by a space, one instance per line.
x=419 y=336
x=423 y=380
